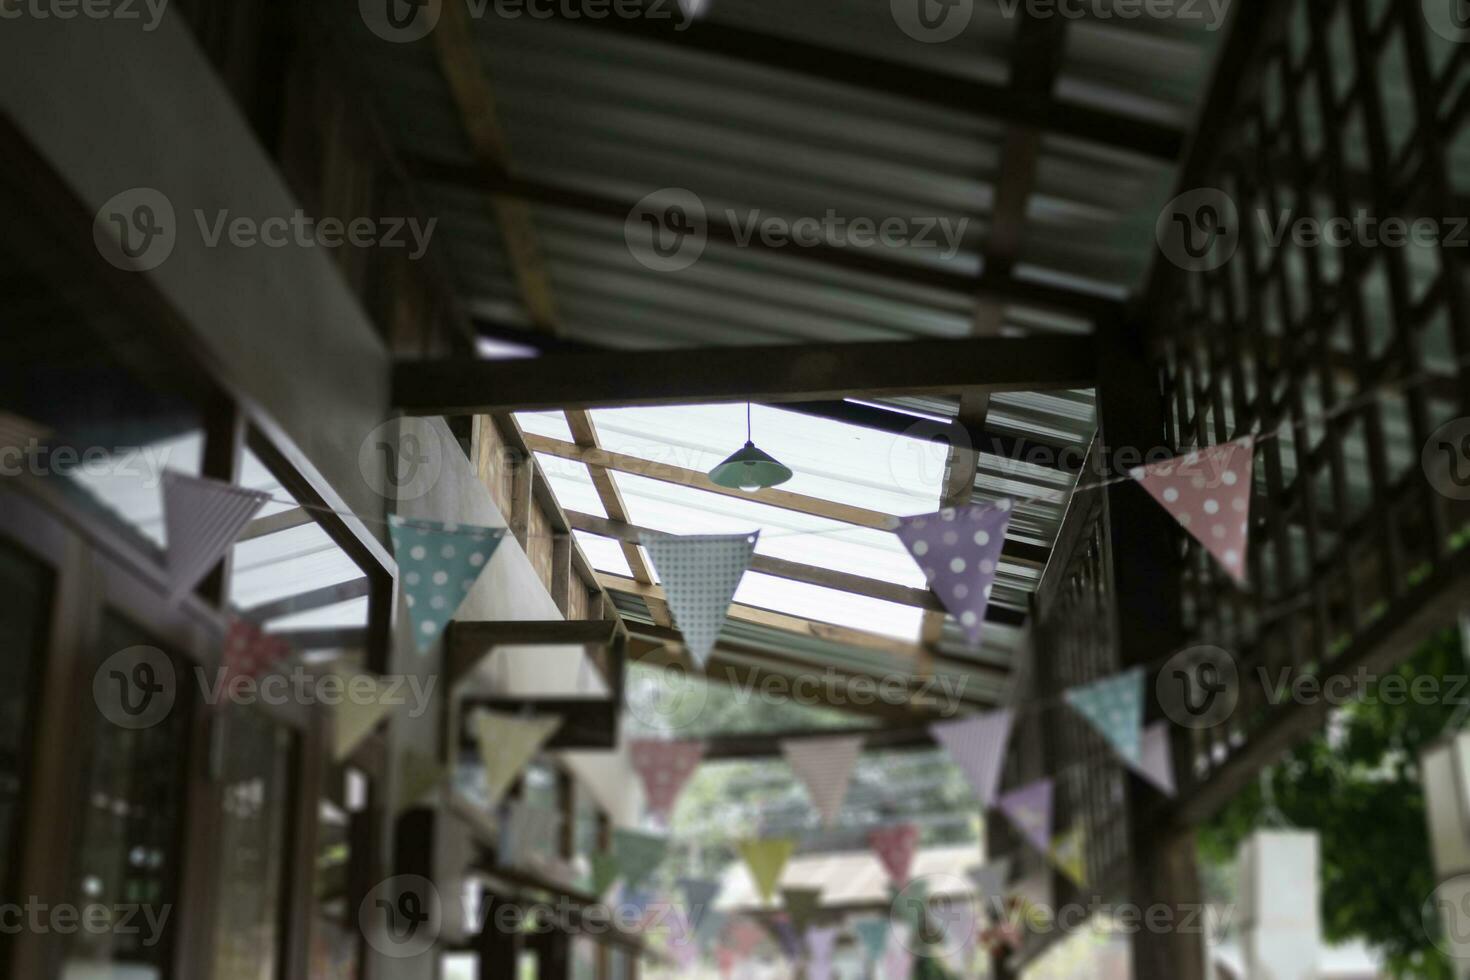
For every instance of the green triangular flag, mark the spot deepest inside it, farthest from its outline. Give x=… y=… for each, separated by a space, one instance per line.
x=507 y=743
x=355 y=716
x=802 y=904
x=766 y=859
x=417 y=775
x=605 y=871
x=638 y=855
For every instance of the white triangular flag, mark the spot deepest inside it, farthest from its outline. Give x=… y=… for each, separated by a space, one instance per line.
x=356 y=715
x=699 y=574
x=202 y=518
x=978 y=746
x=824 y=766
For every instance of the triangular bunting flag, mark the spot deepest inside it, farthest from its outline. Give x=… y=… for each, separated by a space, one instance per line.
x=250 y=651
x=1208 y=492
x=898 y=960
x=699 y=899
x=821 y=944
x=664 y=768
x=639 y=855
x=1069 y=855
x=766 y=859
x=507 y=744
x=992 y=881
x=978 y=746
x=355 y=716
x=437 y=565
x=824 y=765
x=1114 y=706
x=802 y=905
x=873 y=934
x=680 y=937
x=202 y=518
x=1156 y=758
x=911 y=905
x=605 y=871
x=744 y=936
x=417 y=775
x=958 y=550
x=1029 y=809
x=699 y=574
x=786 y=936
x=895 y=848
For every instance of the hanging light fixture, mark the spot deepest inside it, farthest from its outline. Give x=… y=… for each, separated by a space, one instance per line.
x=749 y=468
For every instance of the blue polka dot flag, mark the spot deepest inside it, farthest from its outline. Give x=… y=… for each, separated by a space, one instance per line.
x=700 y=573
x=958 y=550
x=1114 y=706
x=437 y=566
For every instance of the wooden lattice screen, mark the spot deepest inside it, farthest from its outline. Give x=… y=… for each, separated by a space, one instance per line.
x=1353 y=355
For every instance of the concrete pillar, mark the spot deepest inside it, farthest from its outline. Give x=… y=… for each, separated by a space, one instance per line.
x=1278 y=909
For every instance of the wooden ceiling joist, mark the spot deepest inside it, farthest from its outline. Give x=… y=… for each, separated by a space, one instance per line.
x=798 y=572
x=778 y=373
x=721 y=229
x=970 y=96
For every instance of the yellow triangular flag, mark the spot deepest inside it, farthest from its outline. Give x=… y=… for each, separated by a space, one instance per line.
x=1069 y=855
x=358 y=713
x=766 y=859
x=417 y=775
x=507 y=743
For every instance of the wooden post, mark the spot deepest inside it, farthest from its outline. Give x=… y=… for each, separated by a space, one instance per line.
x=1146 y=574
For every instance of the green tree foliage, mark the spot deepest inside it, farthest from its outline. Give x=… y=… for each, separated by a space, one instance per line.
x=1357 y=784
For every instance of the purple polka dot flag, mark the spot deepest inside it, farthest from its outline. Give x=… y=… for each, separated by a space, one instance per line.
x=978 y=746
x=1208 y=492
x=1029 y=809
x=1156 y=758
x=438 y=564
x=821 y=944
x=958 y=550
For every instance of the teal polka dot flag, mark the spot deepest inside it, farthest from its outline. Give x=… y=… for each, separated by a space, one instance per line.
x=437 y=566
x=1115 y=708
x=700 y=573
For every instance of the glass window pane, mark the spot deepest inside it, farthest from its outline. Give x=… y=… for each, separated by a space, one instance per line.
x=253 y=843
x=127 y=850
x=25 y=602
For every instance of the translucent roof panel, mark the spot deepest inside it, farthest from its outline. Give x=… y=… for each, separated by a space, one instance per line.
x=831 y=460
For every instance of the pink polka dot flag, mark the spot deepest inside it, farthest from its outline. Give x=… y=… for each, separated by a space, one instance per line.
x=1208 y=492
x=250 y=651
x=664 y=768
x=895 y=848
x=958 y=550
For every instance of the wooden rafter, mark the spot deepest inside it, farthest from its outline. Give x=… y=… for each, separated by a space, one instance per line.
x=777 y=373
x=1016 y=551
x=720 y=228
x=859 y=585
x=970 y=96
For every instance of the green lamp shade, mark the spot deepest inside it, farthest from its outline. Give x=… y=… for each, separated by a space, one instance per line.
x=750 y=469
